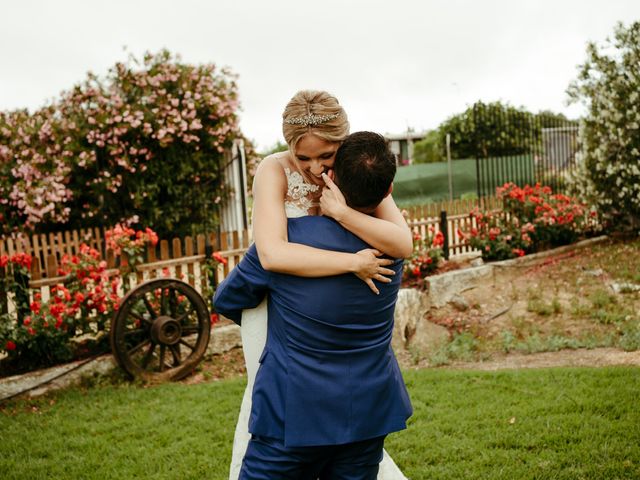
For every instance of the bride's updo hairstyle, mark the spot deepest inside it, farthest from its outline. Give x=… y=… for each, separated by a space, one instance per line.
x=317 y=112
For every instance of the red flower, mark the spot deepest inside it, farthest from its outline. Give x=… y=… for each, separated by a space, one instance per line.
x=31 y=331
x=416 y=271
x=438 y=240
x=4 y=259
x=214 y=318
x=27 y=321
x=10 y=346
x=151 y=236
x=217 y=256
x=35 y=307
x=22 y=259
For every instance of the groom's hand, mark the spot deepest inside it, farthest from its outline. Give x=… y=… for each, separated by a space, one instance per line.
x=332 y=202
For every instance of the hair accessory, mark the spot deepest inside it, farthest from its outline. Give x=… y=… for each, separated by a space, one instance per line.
x=311 y=120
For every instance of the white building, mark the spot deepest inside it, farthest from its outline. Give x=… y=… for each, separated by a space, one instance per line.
x=402 y=145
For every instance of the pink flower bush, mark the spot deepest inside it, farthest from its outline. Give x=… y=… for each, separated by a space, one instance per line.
x=114 y=147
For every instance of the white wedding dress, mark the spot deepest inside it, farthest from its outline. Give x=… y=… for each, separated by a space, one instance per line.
x=254 y=337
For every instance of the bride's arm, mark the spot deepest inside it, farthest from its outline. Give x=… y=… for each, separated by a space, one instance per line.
x=386 y=229
x=277 y=254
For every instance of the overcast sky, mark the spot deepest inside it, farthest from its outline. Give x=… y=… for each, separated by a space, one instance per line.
x=392 y=64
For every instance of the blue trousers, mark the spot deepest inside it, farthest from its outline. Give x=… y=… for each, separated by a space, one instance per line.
x=268 y=459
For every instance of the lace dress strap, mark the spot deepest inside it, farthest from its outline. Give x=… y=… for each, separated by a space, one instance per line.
x=299 y=199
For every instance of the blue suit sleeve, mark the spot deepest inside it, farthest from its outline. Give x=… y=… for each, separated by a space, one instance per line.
x=245 y=287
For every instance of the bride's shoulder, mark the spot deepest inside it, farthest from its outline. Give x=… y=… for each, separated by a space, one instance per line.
x=271 y=171
x=275 y=162
x=275 y=165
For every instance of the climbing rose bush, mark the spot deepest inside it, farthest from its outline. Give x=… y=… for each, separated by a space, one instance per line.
x=146 y=140
x=35 y=164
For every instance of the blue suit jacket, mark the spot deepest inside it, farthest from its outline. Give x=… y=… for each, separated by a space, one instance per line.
x=328 y=375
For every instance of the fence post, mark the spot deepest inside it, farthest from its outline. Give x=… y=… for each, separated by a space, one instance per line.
x=445 y=234
x=21 y=295
x=4 y=301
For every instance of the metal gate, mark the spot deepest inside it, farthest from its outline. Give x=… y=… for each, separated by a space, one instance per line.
x=523 y=148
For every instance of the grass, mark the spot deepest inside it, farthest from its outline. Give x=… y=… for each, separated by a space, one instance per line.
x=121 y=432
x=530 y=424
x=561 y=423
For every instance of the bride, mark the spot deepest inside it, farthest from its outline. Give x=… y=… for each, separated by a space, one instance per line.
x=290 y=184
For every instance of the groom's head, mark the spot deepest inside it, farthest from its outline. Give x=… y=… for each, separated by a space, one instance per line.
x=364 y=169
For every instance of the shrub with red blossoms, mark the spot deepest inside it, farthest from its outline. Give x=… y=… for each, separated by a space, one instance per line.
x=426 y=256
x=41 y=333
x=122 y=239
x=533 y=218
x=35 y=333
x=89 y=293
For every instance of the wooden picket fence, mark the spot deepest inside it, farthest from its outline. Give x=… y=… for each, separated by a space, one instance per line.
x=184 y=257
x=181 y=258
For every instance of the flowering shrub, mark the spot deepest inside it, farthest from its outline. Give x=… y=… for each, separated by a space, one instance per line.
x=146 y=140
x=498 y=238
x=608 y=174
x=14 y=278
x=427 y=253
x=549 y=219
x=34 y=335
x=40 y=333
x=210 y=268
x=91 y=296
x=533 y=218
x=123 y=239
x=34 y=169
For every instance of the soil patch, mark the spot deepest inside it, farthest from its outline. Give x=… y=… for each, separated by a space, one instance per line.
x=231 y=364
x=583 y=298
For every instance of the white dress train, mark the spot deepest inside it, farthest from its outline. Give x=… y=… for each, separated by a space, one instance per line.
x=254 y=337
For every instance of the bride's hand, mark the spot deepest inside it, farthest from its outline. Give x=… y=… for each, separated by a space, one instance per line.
x=332 y=202
x=370 y=268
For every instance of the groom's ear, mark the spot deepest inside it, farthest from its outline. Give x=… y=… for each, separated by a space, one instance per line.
x=389 y=191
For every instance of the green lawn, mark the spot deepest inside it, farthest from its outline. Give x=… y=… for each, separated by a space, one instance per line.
x=579 y=423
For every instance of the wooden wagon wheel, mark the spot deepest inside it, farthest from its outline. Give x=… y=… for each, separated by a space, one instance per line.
x=160 y=330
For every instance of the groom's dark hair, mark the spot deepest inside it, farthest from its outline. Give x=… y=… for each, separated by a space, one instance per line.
x=364 y=169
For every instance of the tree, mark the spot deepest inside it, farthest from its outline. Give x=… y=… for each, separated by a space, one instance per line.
x=608 y=84
x=430 y=149
x=491 y=130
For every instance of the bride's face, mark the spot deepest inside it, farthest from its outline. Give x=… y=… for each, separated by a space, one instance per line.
x=315 y=156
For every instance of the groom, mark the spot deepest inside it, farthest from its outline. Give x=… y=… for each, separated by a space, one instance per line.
x=329 y=388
